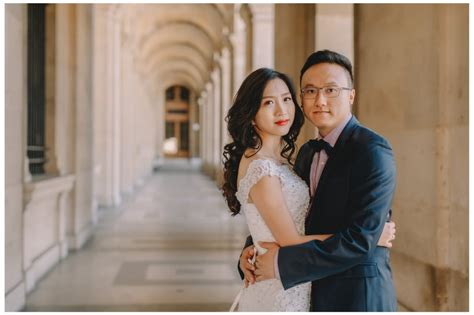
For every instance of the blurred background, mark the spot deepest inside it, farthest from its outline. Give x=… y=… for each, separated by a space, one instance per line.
x=114 y=118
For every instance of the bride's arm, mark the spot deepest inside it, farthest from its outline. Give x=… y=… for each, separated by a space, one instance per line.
x=267 y=196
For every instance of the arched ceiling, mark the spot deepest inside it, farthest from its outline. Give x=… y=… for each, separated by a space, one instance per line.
x=176 y=33
x=176 y=43
x=179 y=79
x=178 y=65
x=176 y=53
x=204 y=16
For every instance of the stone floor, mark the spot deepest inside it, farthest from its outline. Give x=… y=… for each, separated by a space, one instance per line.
x=172 y=246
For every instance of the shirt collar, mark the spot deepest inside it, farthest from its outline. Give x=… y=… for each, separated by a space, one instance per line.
x=332 y=137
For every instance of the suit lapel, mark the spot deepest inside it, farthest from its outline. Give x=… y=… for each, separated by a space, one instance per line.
x=303 y=164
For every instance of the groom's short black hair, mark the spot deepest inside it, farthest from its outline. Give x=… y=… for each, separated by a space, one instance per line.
x=327 y=56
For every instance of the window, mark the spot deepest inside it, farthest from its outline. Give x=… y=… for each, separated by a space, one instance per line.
x=184 y=136
x=36 y=88
x=170 y=93
x=177 y=111
x=169 y=129
x=184 y=94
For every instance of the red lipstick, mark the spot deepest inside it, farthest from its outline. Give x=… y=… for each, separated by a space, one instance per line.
x=282 y=122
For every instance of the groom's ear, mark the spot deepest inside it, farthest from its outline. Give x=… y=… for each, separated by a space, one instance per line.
x=352 y=96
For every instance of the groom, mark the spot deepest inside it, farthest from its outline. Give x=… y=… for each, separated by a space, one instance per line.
x=351 y=174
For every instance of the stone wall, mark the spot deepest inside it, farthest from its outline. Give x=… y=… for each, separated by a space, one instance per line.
x=105 y=118
x=15 y=148
x=412 y=87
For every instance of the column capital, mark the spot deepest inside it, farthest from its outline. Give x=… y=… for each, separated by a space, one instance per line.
x=225 y=53
x=240 y=27
x=200 y=100
x=262 y=11
x=225 y=31
x=208 y=88
x=215 y=74
x=114 y=12
x=216 y=57
x=263 y=17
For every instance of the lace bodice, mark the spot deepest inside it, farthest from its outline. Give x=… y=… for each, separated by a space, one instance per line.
x=269 y=295
x=295 y=193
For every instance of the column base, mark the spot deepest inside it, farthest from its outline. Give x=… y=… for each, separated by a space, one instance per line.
x=15 y=298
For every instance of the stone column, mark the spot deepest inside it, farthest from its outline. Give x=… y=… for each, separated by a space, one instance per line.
x=202 y=123
x=65 y=89
x=339 y=19
x=50 y=166
x=130 y=103
x=204 y=119
x=200 y=105
x=111 y=159
x=99 y=79
x=193 y=122
x=294 y=42
x=66 y=113
x=226 y=99
x=160 y=121
x=216 y=76
x=421 y=105
x=263 y=46
x=144 y=135
x=239 y=45
x=15 y=147
x=106 y=104
x=209 y=123
x=202 y=127
x=225 y=62
x=83 y=168
x=452 y=165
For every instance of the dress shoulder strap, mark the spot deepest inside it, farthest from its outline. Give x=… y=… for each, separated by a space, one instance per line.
x=257 y=169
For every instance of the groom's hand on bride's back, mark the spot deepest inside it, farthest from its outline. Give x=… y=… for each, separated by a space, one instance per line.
x=247 y=268
x=265 y=263
x=388 y=235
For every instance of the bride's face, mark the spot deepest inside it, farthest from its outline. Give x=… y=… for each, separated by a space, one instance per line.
x=277 y=110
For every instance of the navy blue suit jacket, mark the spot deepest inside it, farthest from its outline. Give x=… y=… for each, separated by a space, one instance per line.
x=352 y=201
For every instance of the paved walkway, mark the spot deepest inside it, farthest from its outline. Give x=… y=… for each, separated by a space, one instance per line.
x=172 y=246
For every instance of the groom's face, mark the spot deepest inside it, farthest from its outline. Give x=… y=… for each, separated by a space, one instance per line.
x=326 y=112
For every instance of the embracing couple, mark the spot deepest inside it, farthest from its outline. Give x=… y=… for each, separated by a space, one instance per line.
x=319 y=233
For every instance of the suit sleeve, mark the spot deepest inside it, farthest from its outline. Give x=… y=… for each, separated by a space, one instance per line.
x=372 y=180
x=248 y=242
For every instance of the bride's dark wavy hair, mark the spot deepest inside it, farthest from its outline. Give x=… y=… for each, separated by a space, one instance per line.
x=239 y=124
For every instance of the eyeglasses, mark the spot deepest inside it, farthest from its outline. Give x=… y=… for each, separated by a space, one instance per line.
x=310 y=93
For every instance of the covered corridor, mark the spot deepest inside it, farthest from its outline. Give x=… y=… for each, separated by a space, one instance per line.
x=114 y=131
x=172 y=246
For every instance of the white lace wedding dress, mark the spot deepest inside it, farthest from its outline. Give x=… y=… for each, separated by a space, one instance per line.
x=269 y=295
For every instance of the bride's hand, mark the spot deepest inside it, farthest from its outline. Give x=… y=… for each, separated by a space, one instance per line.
x=388 y=235
x=245 y=265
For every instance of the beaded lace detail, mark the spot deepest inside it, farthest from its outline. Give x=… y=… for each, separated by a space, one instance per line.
x=269 y=295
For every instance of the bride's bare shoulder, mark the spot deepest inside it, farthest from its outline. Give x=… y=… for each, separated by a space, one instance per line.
x=244 y=164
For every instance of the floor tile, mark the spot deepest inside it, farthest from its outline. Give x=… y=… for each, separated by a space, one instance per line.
x=172 y=246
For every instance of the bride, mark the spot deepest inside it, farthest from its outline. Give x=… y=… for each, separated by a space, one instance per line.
x=264 y=122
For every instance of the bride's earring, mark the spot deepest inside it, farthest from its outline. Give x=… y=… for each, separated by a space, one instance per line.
x=253 y=130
